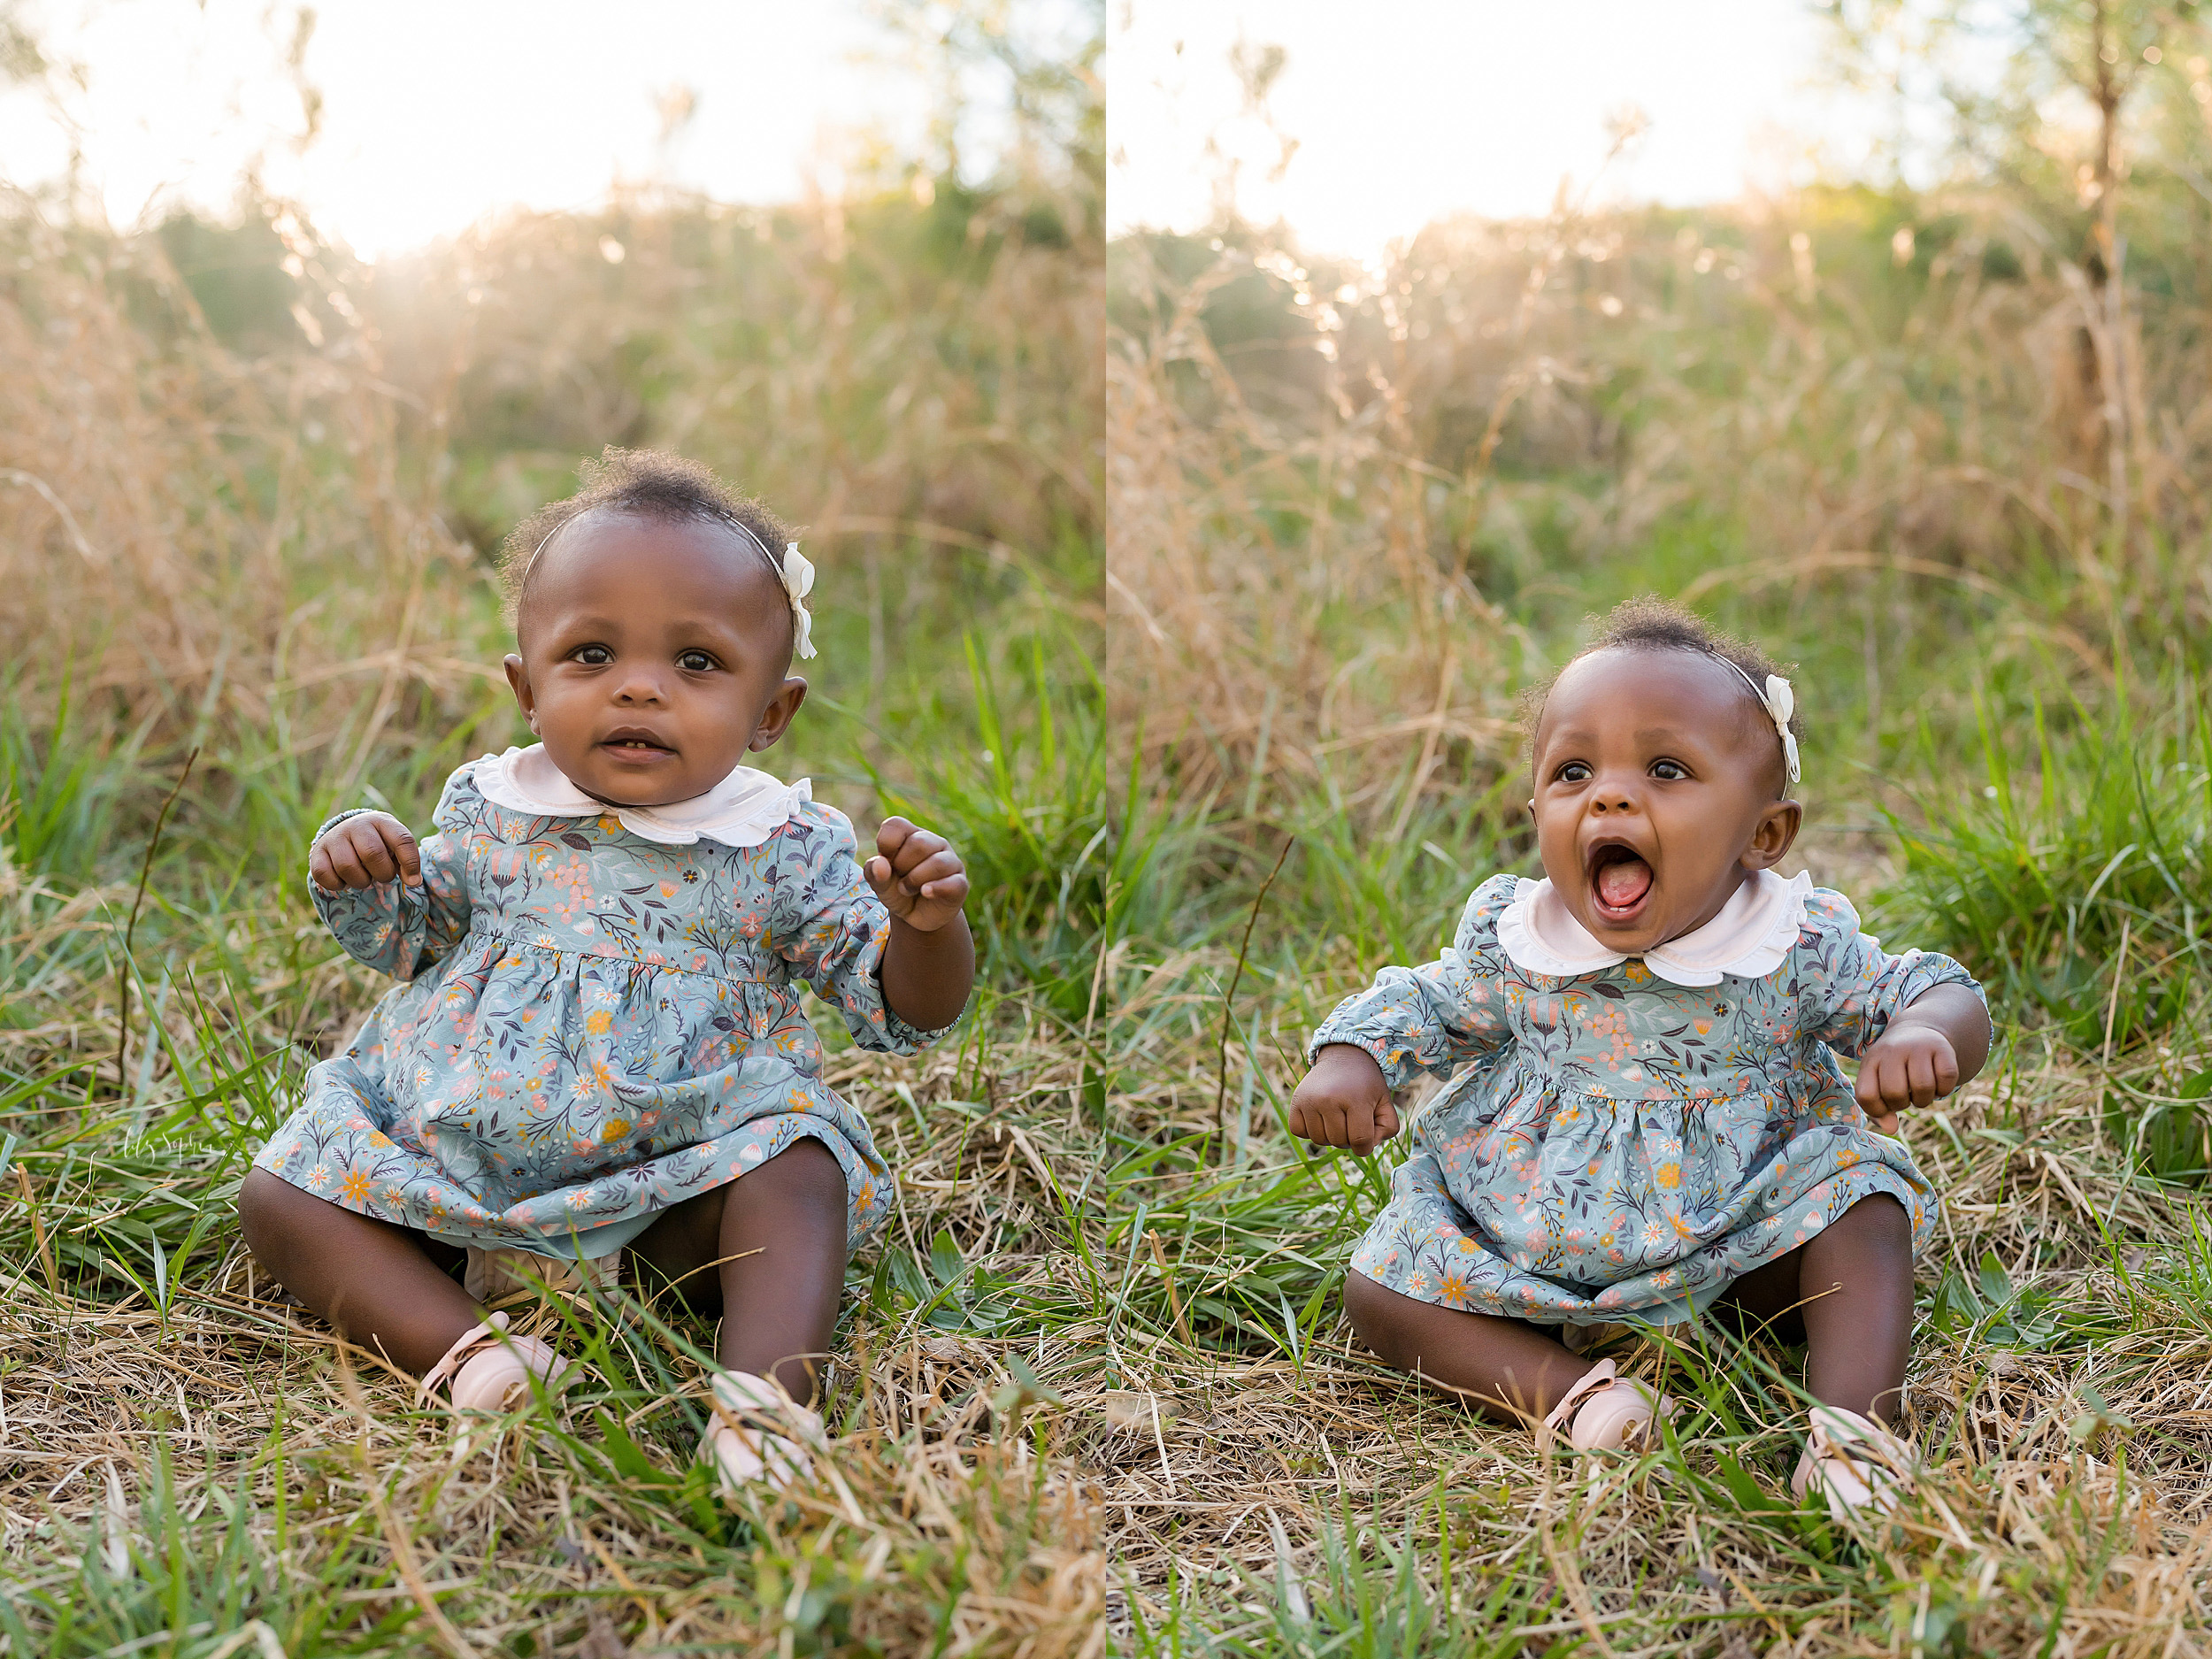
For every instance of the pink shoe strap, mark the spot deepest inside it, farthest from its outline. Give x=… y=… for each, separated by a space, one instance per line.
x=755 y=1431
x=739 y=1398
x=441 y=1375
x=1597 y=1379
x=1845 y=1437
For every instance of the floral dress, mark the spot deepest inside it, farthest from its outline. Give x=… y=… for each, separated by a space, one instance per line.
x=1618 y=1146
x=594 y=1023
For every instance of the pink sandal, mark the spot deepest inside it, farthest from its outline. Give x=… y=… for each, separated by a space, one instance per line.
x=1611 y=1413
x=1853 y=1462
x=759 y=1432
x=490 y=1371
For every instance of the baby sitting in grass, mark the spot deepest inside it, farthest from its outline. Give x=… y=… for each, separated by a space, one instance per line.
x=1647 y=1120
x=598 y=1043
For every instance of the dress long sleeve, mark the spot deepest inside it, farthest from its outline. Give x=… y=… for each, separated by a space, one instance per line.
x=1438 y=1016
x=395 y=928
x=830 y=927
x=596 y=1023
x=1850 y=988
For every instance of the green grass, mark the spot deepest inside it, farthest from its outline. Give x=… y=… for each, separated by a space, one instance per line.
x=1095 y=1375
x=1097 y=1370
x=2077 y=879
x=286 y=1485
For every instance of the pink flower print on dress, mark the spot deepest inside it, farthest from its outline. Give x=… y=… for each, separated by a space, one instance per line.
x=512 y=1074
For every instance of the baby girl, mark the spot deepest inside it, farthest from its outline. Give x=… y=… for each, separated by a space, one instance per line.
x=1646 y=1118
x=597 y=1044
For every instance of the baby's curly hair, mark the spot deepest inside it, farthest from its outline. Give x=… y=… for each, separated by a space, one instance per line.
x=647 y=482
x=1648 y=623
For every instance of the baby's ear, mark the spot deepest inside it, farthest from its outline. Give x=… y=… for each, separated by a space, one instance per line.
x=776 y=719
x=1775 y=835
x=518 y=682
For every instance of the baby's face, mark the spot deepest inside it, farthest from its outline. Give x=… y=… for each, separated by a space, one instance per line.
x=1657 y=775
x=655 y=654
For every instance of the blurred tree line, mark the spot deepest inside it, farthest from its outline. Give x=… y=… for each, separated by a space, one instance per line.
x=915 y=362
x=1984 y=352
x=252 y=485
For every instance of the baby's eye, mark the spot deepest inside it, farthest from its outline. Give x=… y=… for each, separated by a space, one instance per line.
x=592 y=655
x=694 y=662
x=1672 y=770
x=1574 y=772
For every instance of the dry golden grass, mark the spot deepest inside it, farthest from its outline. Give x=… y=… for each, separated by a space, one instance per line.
x=1353 y=513
x=1095 y=1389
x=213 y=537
x=1353 y=509
x=272 y=554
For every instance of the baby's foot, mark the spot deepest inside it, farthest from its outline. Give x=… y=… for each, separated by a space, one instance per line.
x=1611 y=1413
x=493 y=1275
x=759 y=1432
x=488 y=1370
x=1853 y=1462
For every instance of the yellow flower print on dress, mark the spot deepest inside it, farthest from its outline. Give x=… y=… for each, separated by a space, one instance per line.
x=566 y=987
x=1615 y=1141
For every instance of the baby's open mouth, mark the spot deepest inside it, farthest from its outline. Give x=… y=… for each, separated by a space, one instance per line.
x=1620 y=880
x=634 y=745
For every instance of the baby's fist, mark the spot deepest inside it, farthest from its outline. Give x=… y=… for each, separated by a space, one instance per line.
x=1912 y=1065
x=917 y=875
x=1344 y=1102
x=365 y=850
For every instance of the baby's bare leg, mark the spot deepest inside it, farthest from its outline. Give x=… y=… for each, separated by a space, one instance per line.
x=778 y=1234
x=370 y=1279
x=1848 y=1291
x=1512 y=1372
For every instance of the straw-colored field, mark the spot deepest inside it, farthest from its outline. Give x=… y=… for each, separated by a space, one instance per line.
x=1355 y=515
x=249 y=561
x=1094 y=1392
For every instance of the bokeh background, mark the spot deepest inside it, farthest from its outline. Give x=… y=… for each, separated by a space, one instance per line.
x=1875 y=332
x=306 y=309
x=1212 y=419
x=1872 y=331
x=300 y=308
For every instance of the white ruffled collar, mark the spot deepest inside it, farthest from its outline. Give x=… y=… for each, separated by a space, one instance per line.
x=744 y=809
x=1751 y=937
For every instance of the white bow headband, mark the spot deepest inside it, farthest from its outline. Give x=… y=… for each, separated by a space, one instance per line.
x=792 y=570
x=1779 y=702
x=796 y=573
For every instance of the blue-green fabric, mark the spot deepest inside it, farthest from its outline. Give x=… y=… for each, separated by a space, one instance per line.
x=1615 y=1147
x=593 y=1026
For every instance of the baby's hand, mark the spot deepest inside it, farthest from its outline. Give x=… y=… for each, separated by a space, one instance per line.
x=917 y=875
x=1344 y=1102
x=365 y=850
x=1912 y=1065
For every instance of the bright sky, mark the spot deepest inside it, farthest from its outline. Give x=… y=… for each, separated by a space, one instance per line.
x=1408 y=109
x=437 y=112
